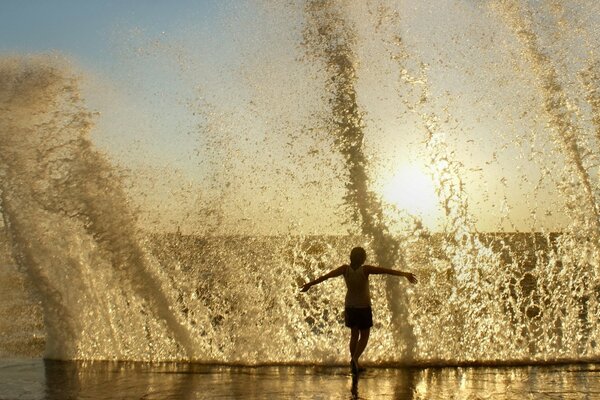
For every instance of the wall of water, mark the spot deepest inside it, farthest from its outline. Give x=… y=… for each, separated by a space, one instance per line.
x=110 y=288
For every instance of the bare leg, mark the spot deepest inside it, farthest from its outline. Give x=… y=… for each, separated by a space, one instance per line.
x=361 y=345
x=353 y=341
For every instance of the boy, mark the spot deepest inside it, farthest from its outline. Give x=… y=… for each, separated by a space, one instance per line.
x=358 y=315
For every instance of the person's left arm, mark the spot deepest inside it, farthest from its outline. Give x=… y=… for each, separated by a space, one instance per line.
x=370 y=269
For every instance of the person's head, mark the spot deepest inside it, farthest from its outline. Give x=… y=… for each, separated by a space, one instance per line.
x=358 y=256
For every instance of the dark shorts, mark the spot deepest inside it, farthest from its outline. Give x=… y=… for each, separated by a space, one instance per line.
x=361 y=318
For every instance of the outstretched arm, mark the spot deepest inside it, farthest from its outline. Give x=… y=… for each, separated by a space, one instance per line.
x=331 y=274
x=369 y=269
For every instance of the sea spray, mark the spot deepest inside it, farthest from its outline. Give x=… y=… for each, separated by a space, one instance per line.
x=590 y=78
x=70 y=223
x=560 y=111
x=579 y=246
x=329 y=39
x=483 y=297
x=465 y=260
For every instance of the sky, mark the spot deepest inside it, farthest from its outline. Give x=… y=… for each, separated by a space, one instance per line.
x=210 y=108
x=86 y=29
x=94 y=36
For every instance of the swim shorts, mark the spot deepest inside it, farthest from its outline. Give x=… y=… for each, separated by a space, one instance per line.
x=361 y=318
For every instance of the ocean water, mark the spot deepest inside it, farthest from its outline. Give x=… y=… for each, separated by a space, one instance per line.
x=149 y=309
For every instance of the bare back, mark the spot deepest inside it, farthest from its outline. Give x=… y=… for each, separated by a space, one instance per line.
x=357 y=283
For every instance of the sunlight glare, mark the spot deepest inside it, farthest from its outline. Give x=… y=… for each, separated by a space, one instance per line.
x=413 y=191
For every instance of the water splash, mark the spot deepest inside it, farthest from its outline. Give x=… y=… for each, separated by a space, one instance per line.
x=110 y=290
x=560 y=110
x=329 y=38
x=68 y=217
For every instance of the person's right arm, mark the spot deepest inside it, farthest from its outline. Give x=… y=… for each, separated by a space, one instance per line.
x=369 y=269
x=331 y=274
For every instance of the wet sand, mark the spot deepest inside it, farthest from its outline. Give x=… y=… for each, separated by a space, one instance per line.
x=40 y=379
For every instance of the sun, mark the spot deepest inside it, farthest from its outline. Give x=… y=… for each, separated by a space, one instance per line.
x=412 y=190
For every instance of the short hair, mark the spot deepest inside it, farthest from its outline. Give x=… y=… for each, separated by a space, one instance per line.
x=358 y=255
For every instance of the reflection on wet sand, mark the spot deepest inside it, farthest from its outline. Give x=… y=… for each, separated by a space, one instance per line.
x=53 y=380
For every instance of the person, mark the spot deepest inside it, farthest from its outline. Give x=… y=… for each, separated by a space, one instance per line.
x=358 y=315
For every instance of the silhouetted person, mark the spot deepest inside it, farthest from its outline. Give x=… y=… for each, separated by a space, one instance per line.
x=358 y=315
